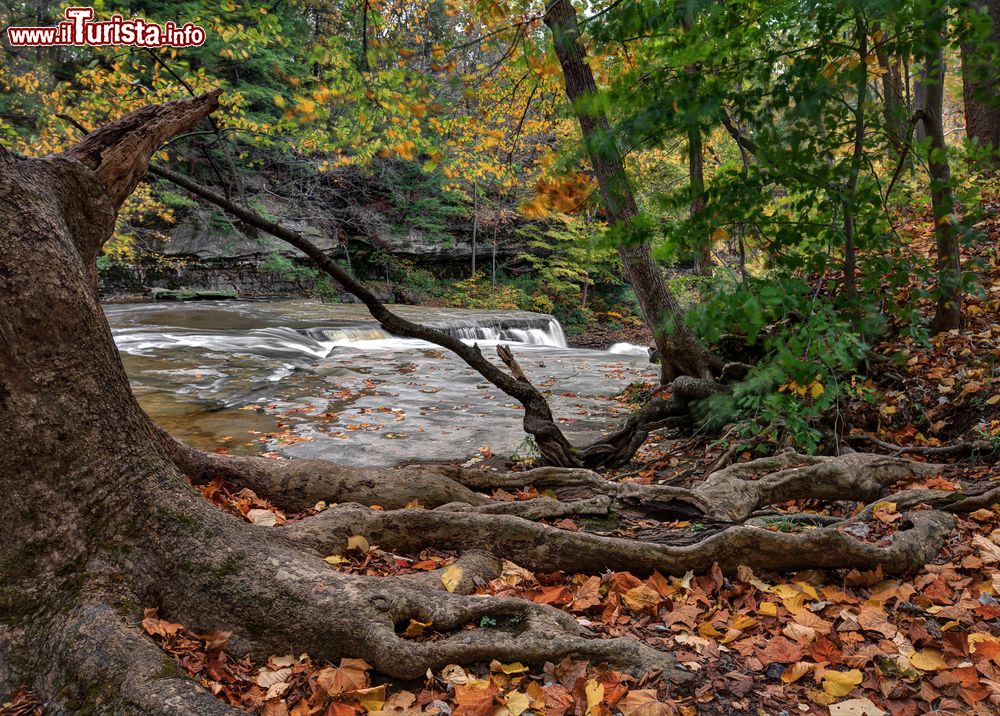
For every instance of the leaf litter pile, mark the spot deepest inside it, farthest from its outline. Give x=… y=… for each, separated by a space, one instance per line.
x=838 y=643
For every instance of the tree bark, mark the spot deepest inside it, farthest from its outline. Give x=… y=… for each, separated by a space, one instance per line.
x=982 y=108
x=696 y=178
x=894 y=107
x=475 y=223
x=680 y=352
x=948 y=309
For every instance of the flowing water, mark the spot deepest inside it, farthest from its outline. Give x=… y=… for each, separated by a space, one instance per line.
x=308 y=379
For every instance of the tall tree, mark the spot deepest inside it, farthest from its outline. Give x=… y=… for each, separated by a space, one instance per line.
x=680 y=352
x=948 y=311
x=979 y=84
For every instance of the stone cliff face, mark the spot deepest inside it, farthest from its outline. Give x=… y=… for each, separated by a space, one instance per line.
x=204 y=250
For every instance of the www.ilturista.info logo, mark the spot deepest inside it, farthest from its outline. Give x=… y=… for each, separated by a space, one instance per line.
x=79 y=28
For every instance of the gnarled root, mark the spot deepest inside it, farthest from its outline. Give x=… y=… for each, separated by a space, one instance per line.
x=544 y=548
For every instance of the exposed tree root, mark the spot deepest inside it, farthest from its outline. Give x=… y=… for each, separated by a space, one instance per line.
x=539 y=547
x=962 y=448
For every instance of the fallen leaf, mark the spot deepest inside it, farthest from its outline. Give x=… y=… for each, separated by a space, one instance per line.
x=517 y=703
x=796 y=671
x=856 y=707
x=359 y=543
x=644 y=702
x=351 y=675
x=451 y=577
x=928 y=660
x=594 y=691
x=841 y=683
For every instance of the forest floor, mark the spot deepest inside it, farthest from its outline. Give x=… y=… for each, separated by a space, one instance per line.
x=816 y=642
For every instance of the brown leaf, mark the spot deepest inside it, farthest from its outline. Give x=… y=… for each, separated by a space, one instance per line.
x=351 y=675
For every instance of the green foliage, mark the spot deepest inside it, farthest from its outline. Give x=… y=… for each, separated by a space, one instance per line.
x=320 y=285
x=808 y=347
x=478 y=292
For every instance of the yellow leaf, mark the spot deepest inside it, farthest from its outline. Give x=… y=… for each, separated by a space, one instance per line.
x=841 y=683
x=816 y=389
x=415 y=628
x=720 y=234
x=335 y=559
x=372 y=699
x=794 y=604
x=279 y=100
x=768 y=609
x=993 y=400
x=515 y=668
x=359 y=543
x=795 y=672
x=451 y=577
x=517 y=703
x=708 y=631
x=594 y=691
x=928 y=660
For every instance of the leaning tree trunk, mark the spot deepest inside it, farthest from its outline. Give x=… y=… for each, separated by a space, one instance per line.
x=101 y=521
x=680 y=352
x=982 y=108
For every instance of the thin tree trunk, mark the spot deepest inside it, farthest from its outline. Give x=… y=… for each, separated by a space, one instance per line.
x=920 y=80
x=850 y=249
x=948 y=312
x=475 y=223
x=893 y=100
x=696 y=177
x=680 y=352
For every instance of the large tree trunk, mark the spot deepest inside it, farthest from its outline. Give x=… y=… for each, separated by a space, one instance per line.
x=680 y=352
x=982 y=108
x=100 y=519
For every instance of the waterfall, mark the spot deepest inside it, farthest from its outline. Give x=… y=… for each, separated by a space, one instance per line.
x=629 y=349
x=297 y=338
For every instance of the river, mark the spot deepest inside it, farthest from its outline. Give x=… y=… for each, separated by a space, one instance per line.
x=309 y=379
